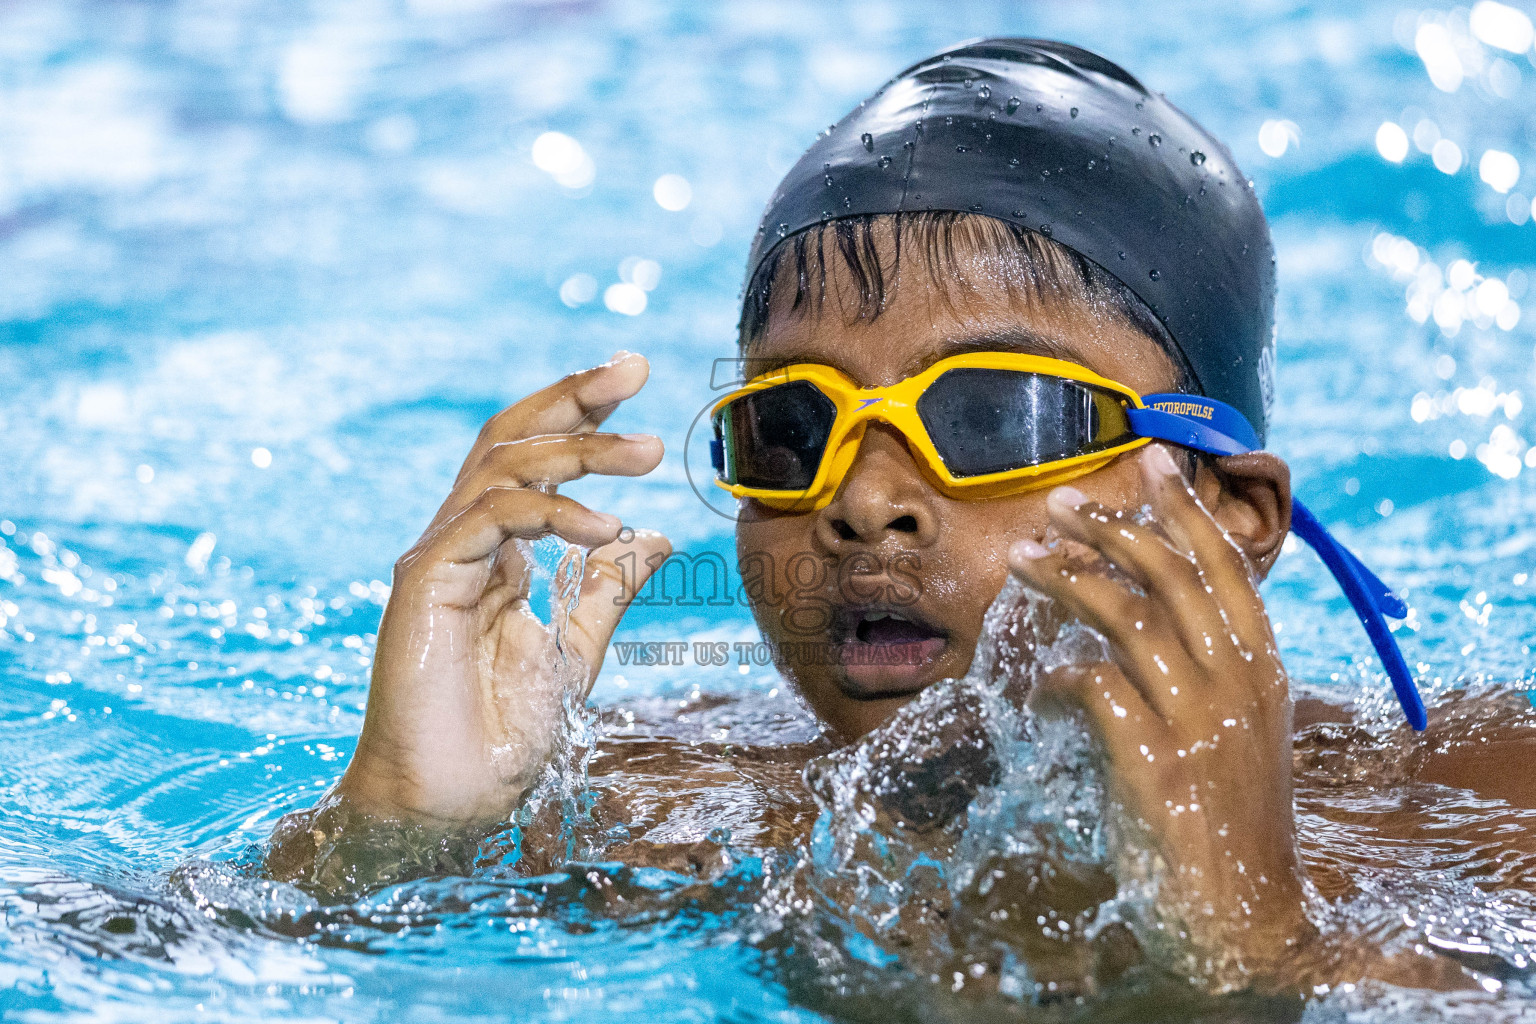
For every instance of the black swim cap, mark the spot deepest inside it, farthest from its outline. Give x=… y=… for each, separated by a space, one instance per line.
x=1057 y=139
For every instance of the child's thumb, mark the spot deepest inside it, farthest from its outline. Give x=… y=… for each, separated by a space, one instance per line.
x=615 y=575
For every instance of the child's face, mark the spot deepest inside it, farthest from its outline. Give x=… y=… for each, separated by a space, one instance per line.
x=889 y=541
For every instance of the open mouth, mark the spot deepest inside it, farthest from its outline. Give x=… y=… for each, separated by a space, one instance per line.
x=887 y=652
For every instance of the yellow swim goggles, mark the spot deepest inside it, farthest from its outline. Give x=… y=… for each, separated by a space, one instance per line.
x=981 y=425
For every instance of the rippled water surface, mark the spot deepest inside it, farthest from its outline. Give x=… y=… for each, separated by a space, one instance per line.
x=264 y=269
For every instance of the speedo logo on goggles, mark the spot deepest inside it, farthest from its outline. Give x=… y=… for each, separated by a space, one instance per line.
x=990 y=424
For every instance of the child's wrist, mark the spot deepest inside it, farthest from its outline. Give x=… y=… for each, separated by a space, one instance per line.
x=1230 y=912
x=1241 y=926
x=340 y=849
x=374 y=789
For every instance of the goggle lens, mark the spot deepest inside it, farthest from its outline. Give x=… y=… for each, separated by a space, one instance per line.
x=990 y=421
x=774 y=439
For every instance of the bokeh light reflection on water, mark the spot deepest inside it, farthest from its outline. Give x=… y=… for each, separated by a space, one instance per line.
x=264 y=270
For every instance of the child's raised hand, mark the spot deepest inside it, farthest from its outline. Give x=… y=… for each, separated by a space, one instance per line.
x=1194 y=714
x=466 y=702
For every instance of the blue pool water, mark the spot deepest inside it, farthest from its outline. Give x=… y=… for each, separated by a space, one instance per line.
x=264 y=269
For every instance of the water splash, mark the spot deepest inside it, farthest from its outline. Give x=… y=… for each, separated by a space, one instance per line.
x=561 y=803
x=968 y=838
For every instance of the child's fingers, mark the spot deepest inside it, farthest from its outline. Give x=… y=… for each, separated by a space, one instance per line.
x=1128 y=621
x=572 y=402
x=1170 y=577
x=1192 y=527
x=578 y=402
x=1174 y=503
x=615 y=574
x=500 y=513
x=558 y=459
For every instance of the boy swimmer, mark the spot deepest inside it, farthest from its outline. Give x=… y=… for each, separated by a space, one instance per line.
x=977 y=309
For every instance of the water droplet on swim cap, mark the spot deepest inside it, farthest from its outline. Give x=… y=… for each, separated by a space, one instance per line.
x=1135 y=131
x=884 y=162
x=985 y=92
x=1156 y=275
x=1073 y=111
x=1155 y=139
x=1011 y=105
x=1197 y=158
x=869 y=142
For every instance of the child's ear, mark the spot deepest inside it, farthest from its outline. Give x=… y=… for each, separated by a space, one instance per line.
x=1250 y=496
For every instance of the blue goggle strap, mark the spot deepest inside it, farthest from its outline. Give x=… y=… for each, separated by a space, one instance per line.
x=1206 y=425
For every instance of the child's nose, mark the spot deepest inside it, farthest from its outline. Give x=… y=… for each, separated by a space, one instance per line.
x=884 y=495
